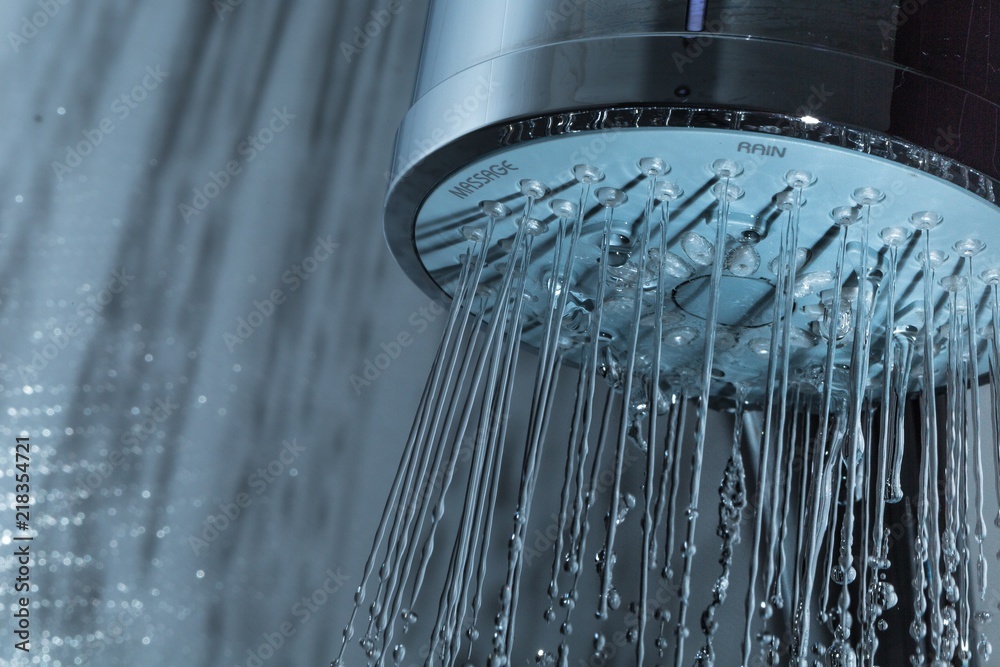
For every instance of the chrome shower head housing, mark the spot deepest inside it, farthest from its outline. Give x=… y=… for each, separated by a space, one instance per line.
x=566 y=86
x=776 y=210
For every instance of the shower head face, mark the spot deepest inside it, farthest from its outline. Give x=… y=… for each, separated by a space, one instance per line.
x=842 y=225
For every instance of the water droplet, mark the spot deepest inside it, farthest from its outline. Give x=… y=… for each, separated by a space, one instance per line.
x=844 y=215
x=534 y=227
x=529 y=187
x=953 y=284
x=895 y=236
x=494 y=209
x=925 y=220
x=680 y=336
x=611 y=197
x=785 y=201
x=813 y=283
x=837 y=574
x=743 y=261
x=614 y=599
x=699 y=249
x=564 y=209
x=992 y=277
x=730 y=192
x=588 y=174
x=868 y=196
x=653 y=166
x=726 y=168
x=760 y=347
x=473 y=233
x=969 y=247
x=799 y=178
x=840 y=655
x=668 y=191
x=937 y=258
x=984 y=648
x=675 y=266
x=885 y=595
x=802 y=256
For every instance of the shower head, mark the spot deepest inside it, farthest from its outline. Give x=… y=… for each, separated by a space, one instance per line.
x=569 y=87
x=676 y=166
x=779 y=210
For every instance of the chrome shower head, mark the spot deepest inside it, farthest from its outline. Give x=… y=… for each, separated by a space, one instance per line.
x=769 y=209
x=842 y=190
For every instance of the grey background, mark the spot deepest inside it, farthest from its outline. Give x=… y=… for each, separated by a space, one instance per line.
x=118 y=580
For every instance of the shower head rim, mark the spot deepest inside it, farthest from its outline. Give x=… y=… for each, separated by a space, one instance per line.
x=411 y=190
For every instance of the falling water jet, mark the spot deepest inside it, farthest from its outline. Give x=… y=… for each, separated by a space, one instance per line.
x=866 y=197
x=798 y=321
x=612 y=198
x=653 y=168
x=970 y=248
x=732 y=501
x=784 y=305
x=726 y=192
x=928 y=540
x=992 y=278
